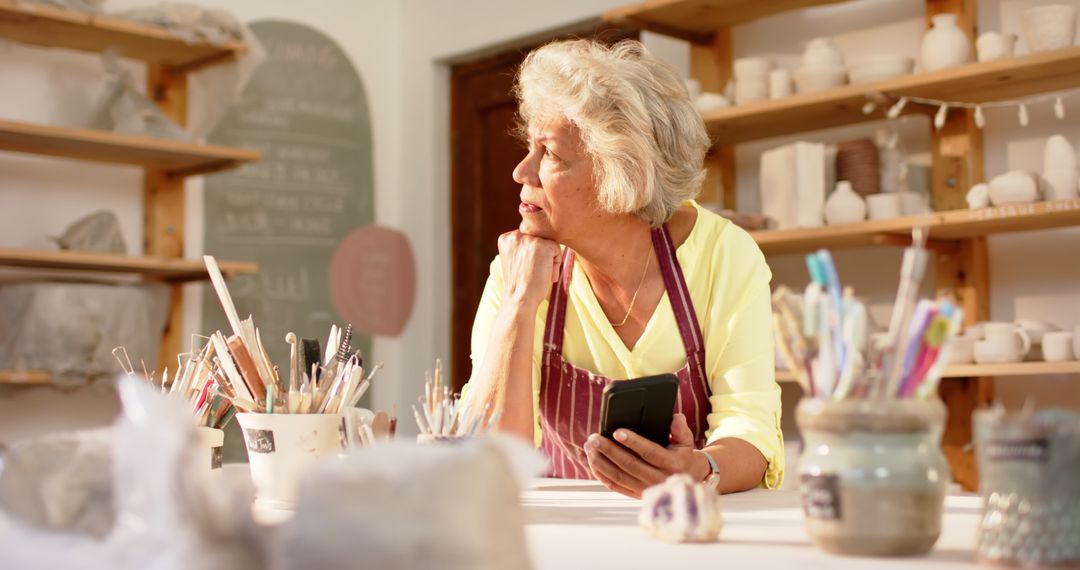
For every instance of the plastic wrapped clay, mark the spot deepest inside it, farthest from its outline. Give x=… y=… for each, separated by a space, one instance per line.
x=681 y=510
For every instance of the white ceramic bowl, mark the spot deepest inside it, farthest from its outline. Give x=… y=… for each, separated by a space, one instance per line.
x=880 y=68
x=811 y=79
x=884 y=206
x=1049 y=27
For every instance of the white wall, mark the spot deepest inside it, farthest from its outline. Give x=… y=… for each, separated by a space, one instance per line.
x=401 y=50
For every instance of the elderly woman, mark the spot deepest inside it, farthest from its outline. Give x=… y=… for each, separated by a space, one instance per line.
x=616 y=273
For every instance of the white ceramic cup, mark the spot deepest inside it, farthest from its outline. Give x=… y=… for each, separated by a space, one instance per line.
x=962 y=351
x=1058 y=346
x=1049 y=27
x=884 y=206
x=284 y=447
x=994 y=45
x=210 y=441
x=756 y=67
x=780 y=85
x=1002 y=342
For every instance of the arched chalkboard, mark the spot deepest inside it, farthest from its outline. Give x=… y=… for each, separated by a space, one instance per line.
x=306 y=110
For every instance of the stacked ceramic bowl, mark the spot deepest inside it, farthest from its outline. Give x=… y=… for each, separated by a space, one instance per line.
x=880 y=68
x=858 y=162
x=752 y=79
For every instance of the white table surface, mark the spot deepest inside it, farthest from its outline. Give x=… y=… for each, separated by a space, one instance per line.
x=580 y=524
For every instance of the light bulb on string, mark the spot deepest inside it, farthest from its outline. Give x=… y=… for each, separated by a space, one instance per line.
x=1059 y=109
x=896 y=109
x=869 y=107
x=1023 y=115
x=939 y=118
x=980 y=120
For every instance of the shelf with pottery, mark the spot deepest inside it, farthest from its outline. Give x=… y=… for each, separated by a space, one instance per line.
x=176 y=158
x=698 y=20
x=150 y=268
x=48 y=26
x=979 y=82
x=942 y=226
x=24 y=377
x=167 y=162
x=984 y=370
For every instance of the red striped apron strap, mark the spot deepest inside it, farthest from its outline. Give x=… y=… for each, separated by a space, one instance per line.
x=556 y=315
x=678 y=293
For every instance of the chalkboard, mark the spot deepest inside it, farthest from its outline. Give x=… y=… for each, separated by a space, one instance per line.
x=306 y=110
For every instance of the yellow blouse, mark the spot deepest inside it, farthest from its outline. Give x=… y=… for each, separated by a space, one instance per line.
x=728 y=280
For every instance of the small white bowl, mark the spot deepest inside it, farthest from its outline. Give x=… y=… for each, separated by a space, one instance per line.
x=880 y=68
x=811 y=79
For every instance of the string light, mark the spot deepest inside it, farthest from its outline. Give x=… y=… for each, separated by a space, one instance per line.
x=939 y=118
x=896 y=109
x=943 y=107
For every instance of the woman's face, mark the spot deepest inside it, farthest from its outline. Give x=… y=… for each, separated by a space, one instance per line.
x=558 y=192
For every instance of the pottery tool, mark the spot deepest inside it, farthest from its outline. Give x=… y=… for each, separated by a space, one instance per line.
x=246 y=366
x=218 y=280
x=912 y=269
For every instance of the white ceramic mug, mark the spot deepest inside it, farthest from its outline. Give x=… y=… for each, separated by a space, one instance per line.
x=284 y=447
x=962 y=351
x=1058 y=346
x=1002 y=342
x=884 y=206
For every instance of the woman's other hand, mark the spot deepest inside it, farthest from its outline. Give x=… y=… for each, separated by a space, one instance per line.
x=530 y=265
x=631 y=463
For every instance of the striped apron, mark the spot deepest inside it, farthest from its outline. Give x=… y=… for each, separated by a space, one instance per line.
x=570 y=397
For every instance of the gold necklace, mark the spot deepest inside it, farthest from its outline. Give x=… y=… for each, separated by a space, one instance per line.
x=630 y=309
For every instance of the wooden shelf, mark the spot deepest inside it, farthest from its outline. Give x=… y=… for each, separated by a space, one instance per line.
x=54 y=27
x=985 y=370
x=150 y=268
x=971 y=83
x=697 y=20
x=176 y=158
x=951 y=225
x=23 y=377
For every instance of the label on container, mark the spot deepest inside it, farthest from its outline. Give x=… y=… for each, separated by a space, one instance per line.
x=259 y=440
x=215 y=457
x=1035 y=450
x=821 y=496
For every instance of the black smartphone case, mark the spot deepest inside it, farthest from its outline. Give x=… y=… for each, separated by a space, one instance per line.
x=644 y=406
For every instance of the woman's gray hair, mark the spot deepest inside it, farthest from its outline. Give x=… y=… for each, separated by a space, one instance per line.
x=647 y=141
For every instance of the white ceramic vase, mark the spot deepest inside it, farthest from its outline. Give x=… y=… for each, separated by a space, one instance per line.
x=844 y=206
x=945 y=44
x=1050 y=27
x=1014 y=187
x=1060 y=169
x=822 y=52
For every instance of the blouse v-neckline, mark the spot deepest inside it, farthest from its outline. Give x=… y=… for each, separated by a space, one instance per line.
x=592 y=307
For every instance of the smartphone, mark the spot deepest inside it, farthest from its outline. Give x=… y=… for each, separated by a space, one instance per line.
x=644 y=406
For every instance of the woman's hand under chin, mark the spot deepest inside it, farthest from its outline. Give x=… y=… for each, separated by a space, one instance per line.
x=632 y=463
x=530 y=265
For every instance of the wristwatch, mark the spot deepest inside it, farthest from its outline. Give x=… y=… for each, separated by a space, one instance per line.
x=712 y=480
